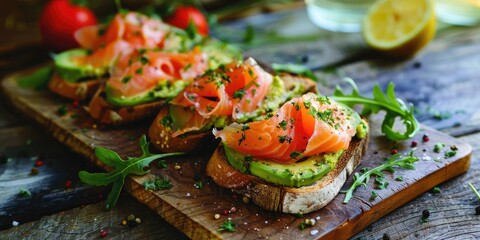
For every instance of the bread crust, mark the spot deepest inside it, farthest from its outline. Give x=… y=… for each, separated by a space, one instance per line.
x=288 y=199
x=161 y=136
x=76 y=91
x=106 y=113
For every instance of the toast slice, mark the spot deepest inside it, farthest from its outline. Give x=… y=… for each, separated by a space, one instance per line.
x=160 y=135
x=101 y=110
x=287 y=199
x=76 y=91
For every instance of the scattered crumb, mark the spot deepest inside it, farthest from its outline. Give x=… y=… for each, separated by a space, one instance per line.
x=313 y=232
x=317 y=218
x=177 y=167
x=217 y=216
x=15 y=223
x=188 y=194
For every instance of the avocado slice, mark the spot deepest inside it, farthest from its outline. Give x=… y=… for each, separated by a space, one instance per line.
x=220 y=53
x=298 y=174
x=71 y=71
x=164 y=90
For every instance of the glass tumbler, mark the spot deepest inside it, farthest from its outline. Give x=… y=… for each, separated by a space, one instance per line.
x=338 y=15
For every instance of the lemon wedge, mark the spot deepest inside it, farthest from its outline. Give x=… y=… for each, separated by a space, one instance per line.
x=399 y=27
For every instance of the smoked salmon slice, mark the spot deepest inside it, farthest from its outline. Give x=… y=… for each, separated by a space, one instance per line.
x=234 y=90
x=137 y=73
x=302 y=127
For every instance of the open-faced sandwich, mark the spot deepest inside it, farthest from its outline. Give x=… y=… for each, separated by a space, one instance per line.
x=236 y=92
x=296 y=160
x=133 y=64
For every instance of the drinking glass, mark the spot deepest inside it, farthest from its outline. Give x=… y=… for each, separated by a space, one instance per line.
x=338 y=15
x=459 y=12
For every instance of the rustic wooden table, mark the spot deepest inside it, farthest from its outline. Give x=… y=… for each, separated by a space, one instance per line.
x=442 y=81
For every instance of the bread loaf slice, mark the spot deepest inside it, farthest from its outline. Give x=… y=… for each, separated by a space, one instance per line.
x=104 y=112
x=287 y=199
x=76 y=91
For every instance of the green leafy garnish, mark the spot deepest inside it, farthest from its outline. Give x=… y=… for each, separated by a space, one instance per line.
x=373 y=195
x=394 y=161
x=24 y=193
x=37 y=80
x=122 y=167
x=157 y=184
x=474 y=190
x=438 y=147
x=393 y=107
x=227 y=226
x=295 y=69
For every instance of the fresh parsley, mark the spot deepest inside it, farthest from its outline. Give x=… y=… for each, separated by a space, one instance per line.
x=394 y=108
x=122 y=167
x=158 y=183
x=228 y=226
x=394 y=161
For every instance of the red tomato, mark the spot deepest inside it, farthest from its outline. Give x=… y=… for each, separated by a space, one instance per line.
x=184 y=14
x=59 y=21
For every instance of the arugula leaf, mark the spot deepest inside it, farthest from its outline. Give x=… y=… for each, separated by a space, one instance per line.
x=37 y=80
x=122 y=167
x=295 y=69
x=387 y=101
x=394 y=161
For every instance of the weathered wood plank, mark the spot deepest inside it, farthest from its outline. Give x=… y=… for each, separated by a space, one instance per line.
x=20 y=148
x=441 y=81
x=452 y=212
x=87 y=222
x=191 y=209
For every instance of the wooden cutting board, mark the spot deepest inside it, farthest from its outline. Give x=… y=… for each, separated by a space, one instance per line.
x=192 y=209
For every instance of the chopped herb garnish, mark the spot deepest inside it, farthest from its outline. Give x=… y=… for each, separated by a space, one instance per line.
x=438 y=147
x=239 y=93
x=162 y=163
x=283 y=125
x=295 y=154
x=144 y=60
x=450 y=154
x=123 y=167
x=188 y=66
x=228 y=226
x=126 y=79
x=24 y=193
x=139 y=71
x=399 y=178
x=166 y=121
x=250 y=72
x=245 y=127
x=281 y=139
x=435 y=190
x=381 y=182
x=62 y=110
x=158 y=183
x=302 y=225
x=373 y=195
x=394 y=161
x=198 y=185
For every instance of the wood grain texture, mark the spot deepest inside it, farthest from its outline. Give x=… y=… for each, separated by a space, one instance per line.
x=20 y=148
x=452 y=211
x=441 y=81
x=191 y=209
x=86 y=223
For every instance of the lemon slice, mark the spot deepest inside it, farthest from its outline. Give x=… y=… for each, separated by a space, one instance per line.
x=399 y=27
